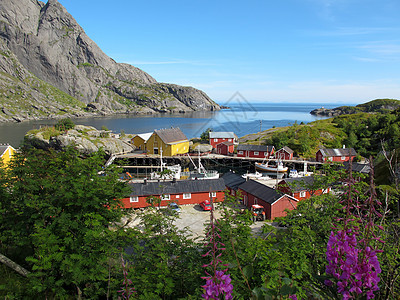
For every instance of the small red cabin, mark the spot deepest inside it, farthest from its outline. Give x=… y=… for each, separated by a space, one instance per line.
x=217 y=137
x=284 y=153
x=273 y=202
x=257 y=151
x=301 y=187
x=335 y=155
x=225 y=148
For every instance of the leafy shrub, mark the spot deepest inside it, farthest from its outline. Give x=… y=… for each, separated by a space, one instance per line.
x=65 y=124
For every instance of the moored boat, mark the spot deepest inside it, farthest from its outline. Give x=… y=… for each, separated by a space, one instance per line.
x=277 y=168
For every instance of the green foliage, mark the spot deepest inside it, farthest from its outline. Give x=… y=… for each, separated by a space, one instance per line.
x=204 y=136
x=55 y=219
x=60 y=219
x=65 y=124
x=305 y=140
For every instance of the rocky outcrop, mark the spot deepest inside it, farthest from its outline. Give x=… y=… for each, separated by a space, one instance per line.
x=86 y=139
x=374 y=106
x=49 y=67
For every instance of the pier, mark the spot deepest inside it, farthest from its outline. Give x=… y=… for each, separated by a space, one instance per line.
x=140 y=163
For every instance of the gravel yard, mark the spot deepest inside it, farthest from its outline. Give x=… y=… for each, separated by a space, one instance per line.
x=193 y=217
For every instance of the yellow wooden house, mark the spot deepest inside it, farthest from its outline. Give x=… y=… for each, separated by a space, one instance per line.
x=140 y=140
x=6 y=153
x=170 y=141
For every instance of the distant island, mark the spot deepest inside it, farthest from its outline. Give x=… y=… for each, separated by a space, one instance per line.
x=374 y=106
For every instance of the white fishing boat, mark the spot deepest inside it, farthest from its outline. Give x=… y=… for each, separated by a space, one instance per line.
x=200 y=172
x=276 y=168
x=256 y=176
x=294 y=174
x=167 y=172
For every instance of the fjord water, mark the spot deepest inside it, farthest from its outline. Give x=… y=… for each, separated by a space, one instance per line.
x=240 y=118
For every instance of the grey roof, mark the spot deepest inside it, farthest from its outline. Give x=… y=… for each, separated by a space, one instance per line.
x=222 y=135
x=260 y=191
x=171 y=135
x=358 y=167
x=338 y=152
x=286 y=149
x=233 y=180
x=178 y=187
x=299 y=183
x=255 y=148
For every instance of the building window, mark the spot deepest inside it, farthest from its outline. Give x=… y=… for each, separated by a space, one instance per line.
x=166 y=197
x=134 y=199
x=177 y=196
x=215 y=140
x=187 y=195
x=343 y=157
x=213 y=194
x=256 y=153
x=255 y=200
x=229 y=140
x=240 y=152
x=302 y=194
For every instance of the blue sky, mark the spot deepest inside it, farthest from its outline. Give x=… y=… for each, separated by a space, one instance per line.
x=325 y=51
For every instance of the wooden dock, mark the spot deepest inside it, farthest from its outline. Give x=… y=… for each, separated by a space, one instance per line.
x=210 y=161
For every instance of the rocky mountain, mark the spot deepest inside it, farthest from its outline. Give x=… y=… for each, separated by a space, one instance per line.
x=49 y=68
x=374 y=106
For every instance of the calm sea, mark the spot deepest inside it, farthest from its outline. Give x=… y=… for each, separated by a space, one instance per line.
x=240 y=118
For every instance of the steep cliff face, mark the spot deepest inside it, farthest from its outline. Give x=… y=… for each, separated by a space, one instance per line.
x=42 y=47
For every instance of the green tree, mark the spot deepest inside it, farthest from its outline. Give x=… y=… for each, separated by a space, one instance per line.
x=205 y=135
x=55 y=220
x=65 y=124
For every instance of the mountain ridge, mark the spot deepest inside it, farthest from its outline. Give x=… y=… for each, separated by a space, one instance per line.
x=50 y=68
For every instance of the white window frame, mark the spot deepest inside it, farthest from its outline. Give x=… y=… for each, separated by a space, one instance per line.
x=256 y=153
x=343 y=157
x=303 y=194
x=213 y=194
x=215 y=140
x=134 y=199
x=187 y=195
x=229 y=140
x=166 y=197
x=240 y=152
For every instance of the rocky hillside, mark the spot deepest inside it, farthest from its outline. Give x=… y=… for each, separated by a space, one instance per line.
x=49 y=68
x=374 y=106
x=86 y=139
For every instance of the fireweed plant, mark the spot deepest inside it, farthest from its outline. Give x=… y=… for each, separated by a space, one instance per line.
x=352 y=248
x=218 y=283
x=127 y=290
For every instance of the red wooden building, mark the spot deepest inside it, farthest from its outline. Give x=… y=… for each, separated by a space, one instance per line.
x=284 y=153
x=335 y=155
x=225 y=148
x=217 y=137
x=181 y=192
x=301 y=187
x=232 y=182
x=273 y=202
x=258 y=151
